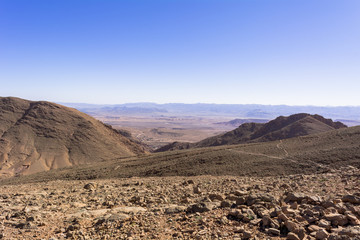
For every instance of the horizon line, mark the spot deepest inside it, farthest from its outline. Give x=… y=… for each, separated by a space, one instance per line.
x=194 y=103
x=204 y=103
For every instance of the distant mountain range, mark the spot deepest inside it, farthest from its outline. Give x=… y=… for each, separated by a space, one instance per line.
x=278 y=129
x=349 y=115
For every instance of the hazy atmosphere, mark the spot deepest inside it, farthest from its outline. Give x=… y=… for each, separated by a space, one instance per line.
x=237 y=52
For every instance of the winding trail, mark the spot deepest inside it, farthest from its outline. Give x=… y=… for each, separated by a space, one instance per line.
x=281 y=147
x=255 y=154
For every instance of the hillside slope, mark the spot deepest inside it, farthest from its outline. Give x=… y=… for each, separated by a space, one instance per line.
x=311 y=154
x=39 y=136
x=280 y=128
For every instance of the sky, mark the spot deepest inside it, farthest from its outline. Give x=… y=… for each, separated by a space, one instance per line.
x=293 y=52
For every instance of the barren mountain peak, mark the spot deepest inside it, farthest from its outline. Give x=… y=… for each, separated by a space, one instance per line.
x=282 y=127
x=38 y=136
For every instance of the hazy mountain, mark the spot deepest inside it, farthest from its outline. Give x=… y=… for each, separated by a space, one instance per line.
x=280 y=128
x=348 y=114
x=38 y=136
x=349 y=122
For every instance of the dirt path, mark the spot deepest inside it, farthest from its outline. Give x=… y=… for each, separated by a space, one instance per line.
x=281 y=147
x=255 y=154
x=265 y=155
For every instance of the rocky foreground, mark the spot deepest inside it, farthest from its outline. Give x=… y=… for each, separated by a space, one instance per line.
x=322 y=206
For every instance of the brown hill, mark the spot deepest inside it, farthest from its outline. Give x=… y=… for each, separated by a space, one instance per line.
x=311 y=154
x=38 y=136
x=280 y=128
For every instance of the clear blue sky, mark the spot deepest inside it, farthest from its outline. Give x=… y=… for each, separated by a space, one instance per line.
x=295 y=52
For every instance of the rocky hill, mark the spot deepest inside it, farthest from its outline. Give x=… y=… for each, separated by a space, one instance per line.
x=280 y=128
x=316 y=153
x=39 y=136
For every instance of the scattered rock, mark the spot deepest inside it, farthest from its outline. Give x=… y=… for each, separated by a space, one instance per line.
x=313 y=228
x=351 y=199
x=324 y=224
x=240 y=193
x=291 y=226
x=154 y=208
x=274 y=231
x=266 y=221
x=216 y=196
x=246 y=235
x=351 y=231
x=226 y=204
x=197 y=189
x=200 y=207
x=337 y=219
x=292 y=236
x=296 y=196
x=322 y=234
x=90 y=186
x=174 y=209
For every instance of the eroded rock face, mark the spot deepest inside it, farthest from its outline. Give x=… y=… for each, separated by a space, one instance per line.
x=168 y=208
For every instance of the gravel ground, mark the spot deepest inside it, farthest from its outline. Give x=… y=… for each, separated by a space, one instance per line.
x=321 y=206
